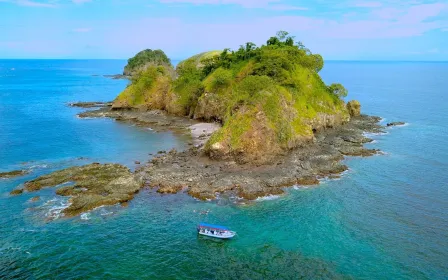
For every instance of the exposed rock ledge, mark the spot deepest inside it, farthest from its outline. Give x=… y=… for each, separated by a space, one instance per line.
x=204 y=178
x=12 y=174
x=95 y=185
x=88 y=186
x=157 y=120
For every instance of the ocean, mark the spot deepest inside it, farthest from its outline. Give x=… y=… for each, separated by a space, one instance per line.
x=386 y=218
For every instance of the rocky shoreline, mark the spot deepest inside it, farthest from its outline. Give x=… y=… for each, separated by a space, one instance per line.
x=204 y=178
x=156 y=120
x=195 y=173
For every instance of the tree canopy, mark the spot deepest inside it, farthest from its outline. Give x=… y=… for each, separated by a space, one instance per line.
x=145 y=57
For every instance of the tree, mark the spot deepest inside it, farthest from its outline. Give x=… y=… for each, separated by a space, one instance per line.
x=281 y=35
x=250 y=46
x=318 y=62
x=289 y=41
x=300 y=45
x=338 y=89
x=273 y=41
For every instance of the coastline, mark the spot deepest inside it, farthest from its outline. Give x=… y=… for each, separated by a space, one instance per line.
x=194 y=173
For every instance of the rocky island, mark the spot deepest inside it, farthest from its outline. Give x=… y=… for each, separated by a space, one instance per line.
x=261 y=117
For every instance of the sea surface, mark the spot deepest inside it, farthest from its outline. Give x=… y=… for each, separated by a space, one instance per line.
x=386 y=218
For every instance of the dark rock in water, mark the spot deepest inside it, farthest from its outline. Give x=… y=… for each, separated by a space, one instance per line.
x=308 y=181
x=16 y=192
x=116 y=76
x=169 y=188
x=90 y=104
x=137 y=162
x=396 y=123
x=94 y=185
x=12 y=174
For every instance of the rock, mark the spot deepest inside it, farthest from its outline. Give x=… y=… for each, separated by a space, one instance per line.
x=34 y=199
x=117 y=76
x=205 y=177
x=16 y=192
x=94 y=185
x=307 y=181
x=90 y=104
x=354 y=108
x=169 y=188
x=217 y=150
x=124 y=204
x=396 y=124
x=12 y=174
x=137 y=162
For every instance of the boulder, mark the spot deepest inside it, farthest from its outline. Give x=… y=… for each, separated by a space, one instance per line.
x=16 y=192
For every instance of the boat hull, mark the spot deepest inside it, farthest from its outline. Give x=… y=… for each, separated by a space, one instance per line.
x=226 y=236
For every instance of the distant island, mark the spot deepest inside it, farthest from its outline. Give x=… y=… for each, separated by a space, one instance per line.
x=261 y=119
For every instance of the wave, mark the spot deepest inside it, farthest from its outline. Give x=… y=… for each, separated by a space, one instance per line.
x=85 y=216
x=268 y=197
x=373 y=134
x=54 y=208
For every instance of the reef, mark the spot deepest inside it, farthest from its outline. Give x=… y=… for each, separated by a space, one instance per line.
x=89 y=186
x=14 y=173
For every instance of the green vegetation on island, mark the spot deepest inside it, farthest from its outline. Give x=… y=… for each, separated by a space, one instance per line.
x=145 y=59
x=269 y=99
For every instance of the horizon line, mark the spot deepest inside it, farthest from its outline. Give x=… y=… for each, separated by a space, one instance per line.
x=180 y=59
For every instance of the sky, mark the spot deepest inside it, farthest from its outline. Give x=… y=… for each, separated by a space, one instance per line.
x=336 y=29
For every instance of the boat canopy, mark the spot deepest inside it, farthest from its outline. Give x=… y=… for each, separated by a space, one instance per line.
x=204 y=225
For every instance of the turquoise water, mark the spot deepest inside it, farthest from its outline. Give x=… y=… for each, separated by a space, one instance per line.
x=385 y=219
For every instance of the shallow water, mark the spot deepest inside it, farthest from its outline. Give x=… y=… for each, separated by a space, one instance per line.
x=385 y=218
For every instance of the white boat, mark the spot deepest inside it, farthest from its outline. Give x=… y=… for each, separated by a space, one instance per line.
x=215 y=231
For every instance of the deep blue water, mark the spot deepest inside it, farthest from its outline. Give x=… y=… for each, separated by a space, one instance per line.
x=385 y=219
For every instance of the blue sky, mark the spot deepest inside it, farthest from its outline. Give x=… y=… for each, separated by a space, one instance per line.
x=339 y=30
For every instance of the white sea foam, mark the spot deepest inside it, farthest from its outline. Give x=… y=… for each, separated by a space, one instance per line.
x=38 y=166
x=106 y=213
x=55 y=207
x=297 y=187
x=373 y=134
x=55 y=212
x=85 y=216
x=268 y=197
